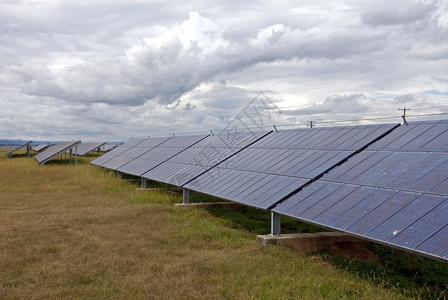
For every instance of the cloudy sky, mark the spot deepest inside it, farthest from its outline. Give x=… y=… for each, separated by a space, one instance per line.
x=115 y=69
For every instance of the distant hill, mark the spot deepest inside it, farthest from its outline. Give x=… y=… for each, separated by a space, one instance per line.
x=7 y=142
x=11 y=142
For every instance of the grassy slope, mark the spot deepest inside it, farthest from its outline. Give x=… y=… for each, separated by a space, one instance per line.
x=79 y=232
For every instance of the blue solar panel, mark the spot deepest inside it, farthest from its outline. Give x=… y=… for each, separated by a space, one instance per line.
x=147 y=161
x=40 y=147
x=55 y=151
x=18 y=148
x=405 y=217
x=115 y=152
x=382 y=212
x=436 y=244
x=86 y=148
x=395 y=191
x=284 y=162
x=441 y=188
x=133 y=151
x=151 y=158
x=425 y=226
x=348 y=203
x=201 y=157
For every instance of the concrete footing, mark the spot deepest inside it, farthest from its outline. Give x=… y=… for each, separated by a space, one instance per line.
x=308 y=242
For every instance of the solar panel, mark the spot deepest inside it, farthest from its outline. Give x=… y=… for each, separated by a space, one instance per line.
x=54 y=151
x=40 y=147
x=157 y=155
x=132 y=152
x=201 y=157
x=86 y=148
x=27 y=144
x=115 y=152
x=394 y=192
x=107 y=147
x=279 y=164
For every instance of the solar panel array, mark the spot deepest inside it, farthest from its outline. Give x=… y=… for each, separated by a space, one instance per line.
x=201 y=157
x=86 y=148
x=133 y=152
x=283 y=162
x=153 y=156
x=54 y=151
x=18 y=148
x=394 y=192
x=386 y=183
x=100 y=161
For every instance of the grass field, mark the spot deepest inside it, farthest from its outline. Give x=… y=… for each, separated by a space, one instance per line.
x=79 y=232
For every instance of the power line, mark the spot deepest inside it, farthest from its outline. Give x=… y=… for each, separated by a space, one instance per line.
x=292 y=125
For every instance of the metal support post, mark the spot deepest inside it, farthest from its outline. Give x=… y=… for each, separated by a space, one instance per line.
x=275 y=224
x=186 y=196
x=118 y=174
x=143 y=183
x=28 y=150
x=76 y=155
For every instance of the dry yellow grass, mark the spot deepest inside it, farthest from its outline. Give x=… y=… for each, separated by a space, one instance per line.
x=78 y=232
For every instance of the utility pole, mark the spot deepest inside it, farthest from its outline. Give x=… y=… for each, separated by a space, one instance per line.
x=311 y=124
x=404 y=109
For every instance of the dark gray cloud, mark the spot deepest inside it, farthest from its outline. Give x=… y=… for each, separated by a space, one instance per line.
x=225 y=98
x=406 y=99
x=398 y=13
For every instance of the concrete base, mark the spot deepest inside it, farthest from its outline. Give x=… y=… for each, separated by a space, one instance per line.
x=199 y=204
x=308 y=242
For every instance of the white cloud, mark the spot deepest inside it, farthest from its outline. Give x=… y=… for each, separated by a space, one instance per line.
x=114 y=67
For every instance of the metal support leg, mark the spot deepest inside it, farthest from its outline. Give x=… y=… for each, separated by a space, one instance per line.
x=28 y=150
x=118 y=174
x=143 y=183
x=186 y=196
x=275 y=224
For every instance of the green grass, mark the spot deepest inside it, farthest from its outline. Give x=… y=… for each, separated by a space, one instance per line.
x=79 y=232
x=410 y=274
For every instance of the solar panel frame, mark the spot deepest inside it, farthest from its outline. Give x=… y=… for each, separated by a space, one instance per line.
x=54 y=151
x=10 y=153
x=86 y=148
